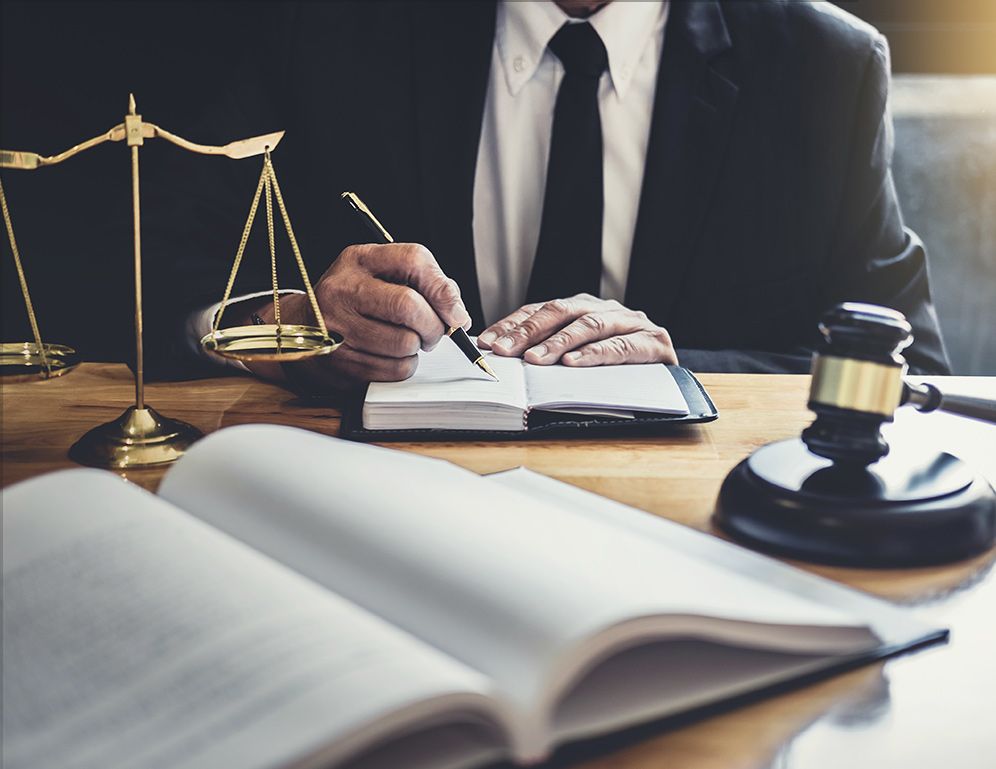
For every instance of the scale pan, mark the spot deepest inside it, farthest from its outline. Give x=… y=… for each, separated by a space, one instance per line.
x=23 y=361
x=271 y=342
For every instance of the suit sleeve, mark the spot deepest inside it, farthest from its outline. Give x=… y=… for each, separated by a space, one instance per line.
x=875 y=258
x=795 y=361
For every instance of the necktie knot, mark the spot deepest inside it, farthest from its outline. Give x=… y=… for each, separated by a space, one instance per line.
x=580 y=50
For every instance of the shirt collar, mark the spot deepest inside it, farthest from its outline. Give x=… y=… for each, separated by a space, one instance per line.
x=523 y=30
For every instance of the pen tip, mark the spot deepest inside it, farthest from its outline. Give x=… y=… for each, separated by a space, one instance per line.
x=487 y=369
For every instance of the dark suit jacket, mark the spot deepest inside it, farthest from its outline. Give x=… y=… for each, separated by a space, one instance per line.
x=767 y=196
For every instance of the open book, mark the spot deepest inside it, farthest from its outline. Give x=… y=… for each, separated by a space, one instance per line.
x=292 y=600
x=447 y=392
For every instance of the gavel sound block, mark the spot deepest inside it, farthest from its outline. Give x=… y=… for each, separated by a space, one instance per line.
x=840 y=493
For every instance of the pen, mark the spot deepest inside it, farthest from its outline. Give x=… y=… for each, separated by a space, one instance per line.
x=456 y=333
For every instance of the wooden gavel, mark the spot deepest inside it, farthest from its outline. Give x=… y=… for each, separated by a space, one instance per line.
x=859 y=380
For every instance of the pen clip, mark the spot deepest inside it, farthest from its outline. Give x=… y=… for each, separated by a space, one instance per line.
x=360 y=207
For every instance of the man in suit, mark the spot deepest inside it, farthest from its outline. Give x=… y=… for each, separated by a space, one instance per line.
x=591 y=182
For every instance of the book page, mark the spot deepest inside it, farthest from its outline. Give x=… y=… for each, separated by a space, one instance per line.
x=512 y=585
x=134 y=635
x=890 y=624
x=448 y=391
x=672 y=675
x=639 y=387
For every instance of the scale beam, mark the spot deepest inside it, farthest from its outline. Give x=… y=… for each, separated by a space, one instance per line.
x=242 y=148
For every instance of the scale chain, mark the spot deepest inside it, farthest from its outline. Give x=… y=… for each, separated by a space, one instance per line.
x=269 y=187
x=268 y=169
x=273 y=247
x=238 y=254
x=24 y=282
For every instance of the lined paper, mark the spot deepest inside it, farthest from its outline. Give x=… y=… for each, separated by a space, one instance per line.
x=448 y=392
x=637 y=387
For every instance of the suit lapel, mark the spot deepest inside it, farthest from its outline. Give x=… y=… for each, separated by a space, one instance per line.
x=452 y=57
x=693 y=111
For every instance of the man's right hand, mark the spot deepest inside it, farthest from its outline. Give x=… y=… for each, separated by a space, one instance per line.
x=388 y=301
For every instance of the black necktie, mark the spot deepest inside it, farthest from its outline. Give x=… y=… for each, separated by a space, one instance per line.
x=569 y=251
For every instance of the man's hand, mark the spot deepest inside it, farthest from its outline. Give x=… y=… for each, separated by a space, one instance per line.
x=388 y=301
x=581 y=331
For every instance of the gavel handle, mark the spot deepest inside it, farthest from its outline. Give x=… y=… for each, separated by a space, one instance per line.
x=926 y=397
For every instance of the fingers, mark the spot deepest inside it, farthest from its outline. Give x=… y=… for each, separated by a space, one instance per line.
x=382 y=339
x=580 y=331
x=414 y=265
x=549 y=318
x=506 y=324
x=396 y=305
x=590 y=327
x=650 y=346
x=348 y=366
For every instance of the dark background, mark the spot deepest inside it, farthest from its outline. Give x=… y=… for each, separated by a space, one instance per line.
x=66 y=69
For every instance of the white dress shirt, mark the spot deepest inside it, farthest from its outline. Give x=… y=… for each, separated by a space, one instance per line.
x=515 y=140
x=515 y=144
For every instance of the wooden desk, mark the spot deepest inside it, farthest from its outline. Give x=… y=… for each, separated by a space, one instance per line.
x=930 y=709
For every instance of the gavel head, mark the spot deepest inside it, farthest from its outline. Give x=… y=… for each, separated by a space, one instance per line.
x=857 y=382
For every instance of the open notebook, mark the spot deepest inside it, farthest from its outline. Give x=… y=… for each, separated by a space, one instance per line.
x=448 y=393
x=293 y=600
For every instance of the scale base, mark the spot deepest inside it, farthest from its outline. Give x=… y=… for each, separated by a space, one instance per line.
x=914 y=507
x=138 y=438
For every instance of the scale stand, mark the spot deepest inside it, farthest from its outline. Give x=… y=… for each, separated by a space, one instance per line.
x=141 y=436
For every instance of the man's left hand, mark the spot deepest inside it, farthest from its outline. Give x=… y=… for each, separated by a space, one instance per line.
x=580 y=331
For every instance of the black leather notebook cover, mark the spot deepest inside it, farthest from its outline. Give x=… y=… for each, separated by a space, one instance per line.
x=545 y=424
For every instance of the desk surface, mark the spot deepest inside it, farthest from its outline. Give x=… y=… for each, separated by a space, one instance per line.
x=929 y=709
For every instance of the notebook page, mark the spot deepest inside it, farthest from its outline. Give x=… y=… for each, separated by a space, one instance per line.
x=446 y=376
x=448 y=392
x=638 y=387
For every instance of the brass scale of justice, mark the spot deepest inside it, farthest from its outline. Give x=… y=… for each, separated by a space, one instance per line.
x=141 y=436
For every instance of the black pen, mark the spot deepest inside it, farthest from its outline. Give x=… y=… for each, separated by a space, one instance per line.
x=456 y=333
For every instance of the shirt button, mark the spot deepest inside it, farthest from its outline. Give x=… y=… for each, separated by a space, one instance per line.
x=519 y=64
